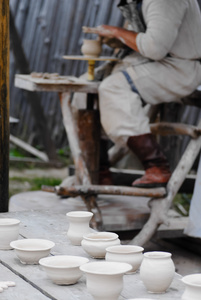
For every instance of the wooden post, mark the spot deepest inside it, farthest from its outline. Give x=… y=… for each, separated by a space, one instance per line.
x=4 y=105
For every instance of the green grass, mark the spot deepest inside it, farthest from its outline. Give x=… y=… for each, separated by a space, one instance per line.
x=181 y=203
x=30 y=184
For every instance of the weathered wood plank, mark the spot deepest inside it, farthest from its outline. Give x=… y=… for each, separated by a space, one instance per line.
x=53 y=226
x=28 y=83
x=165 y=128
x=28 y=148
x=22 y=288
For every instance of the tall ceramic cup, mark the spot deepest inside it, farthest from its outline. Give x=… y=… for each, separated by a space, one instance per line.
x=78 y=225
x=9 y=231
x=157 y=271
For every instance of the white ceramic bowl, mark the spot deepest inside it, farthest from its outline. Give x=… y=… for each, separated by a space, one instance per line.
x=126 y=253
x=9 y=231
x=95 y=244
x=105 y=278
x=192 y=287
x=29 y=251
x=63 y=269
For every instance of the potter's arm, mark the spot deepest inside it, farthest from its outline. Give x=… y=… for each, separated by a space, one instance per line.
x=126 y=37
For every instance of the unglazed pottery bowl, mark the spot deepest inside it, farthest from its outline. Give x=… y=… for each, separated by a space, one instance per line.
x=29 y=251
x=157 y=271
x=78 y=226
x=9 y=231
x=95 y=244
x=193 y=287
x=126 y=253
x=63 y=269
x=105 y=279
x=91 y=48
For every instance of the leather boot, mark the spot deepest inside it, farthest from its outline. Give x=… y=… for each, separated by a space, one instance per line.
x=157 y=171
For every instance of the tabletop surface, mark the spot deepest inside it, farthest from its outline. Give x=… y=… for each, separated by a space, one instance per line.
x=98 y=58
x=59 y=84
x=31 y=280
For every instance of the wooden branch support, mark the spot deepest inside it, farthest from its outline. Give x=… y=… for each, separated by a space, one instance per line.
x=82 y=173
x=165 y=128
x=43 y=156
x=76 y=190
x=160 y=207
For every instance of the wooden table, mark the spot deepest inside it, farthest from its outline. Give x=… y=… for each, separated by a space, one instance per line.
x=85 y=158
x=31 y=280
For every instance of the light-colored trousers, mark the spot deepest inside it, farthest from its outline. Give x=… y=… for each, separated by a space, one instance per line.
x=121 y=110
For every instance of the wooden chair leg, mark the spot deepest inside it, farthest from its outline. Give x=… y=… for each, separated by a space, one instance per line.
x=82 y=172
x=160 y=207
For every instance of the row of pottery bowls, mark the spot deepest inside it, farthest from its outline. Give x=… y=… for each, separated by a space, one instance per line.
x=156 y=268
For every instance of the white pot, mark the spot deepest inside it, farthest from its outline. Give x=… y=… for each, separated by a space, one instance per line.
x=78 y=225
x=9 y=231
x=63 y=269
x=95 y=244
x=105 y=279
x=157 y=271
x=193 y=287
x=126 y=253
x=91 y=48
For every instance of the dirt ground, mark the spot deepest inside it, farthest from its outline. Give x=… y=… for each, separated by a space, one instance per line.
x=186 y=262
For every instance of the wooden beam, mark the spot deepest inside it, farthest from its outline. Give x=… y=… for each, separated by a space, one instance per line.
x=4 y=105
x=165 y=128
x=109 y=190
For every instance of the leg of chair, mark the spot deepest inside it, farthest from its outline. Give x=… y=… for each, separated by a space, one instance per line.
x=82 y=172
x=160 y=207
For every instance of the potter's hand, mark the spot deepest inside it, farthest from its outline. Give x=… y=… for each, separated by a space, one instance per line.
x=127 y=37
x=112 y=42
x=107 y=35
x=107 y=31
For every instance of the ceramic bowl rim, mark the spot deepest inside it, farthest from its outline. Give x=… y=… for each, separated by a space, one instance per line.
x=16 y=245
x=157 y=254
x=186 y=280
x=131 y=249
x=88 y=236
x=82 y=213
x=126 y=268
x=9 y=222
x=44 y=261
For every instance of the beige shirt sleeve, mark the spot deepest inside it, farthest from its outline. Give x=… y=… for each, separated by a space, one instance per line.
x=163 y=19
